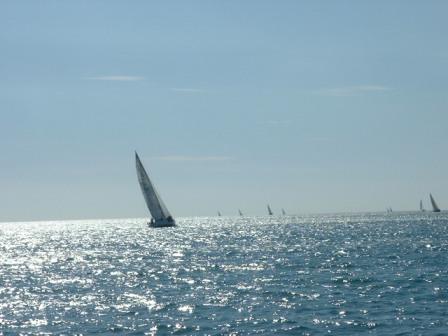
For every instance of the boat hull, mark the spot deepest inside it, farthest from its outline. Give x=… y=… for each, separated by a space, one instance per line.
x=159 y=224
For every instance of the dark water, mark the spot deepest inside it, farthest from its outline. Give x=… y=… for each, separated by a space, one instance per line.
x=341 y=275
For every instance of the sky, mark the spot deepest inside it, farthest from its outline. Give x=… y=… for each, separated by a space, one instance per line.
x=310 y=106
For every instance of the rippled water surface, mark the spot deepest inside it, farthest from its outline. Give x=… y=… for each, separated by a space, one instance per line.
x=340 y=274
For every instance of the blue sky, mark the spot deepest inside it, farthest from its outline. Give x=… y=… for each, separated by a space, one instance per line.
x=313 y=106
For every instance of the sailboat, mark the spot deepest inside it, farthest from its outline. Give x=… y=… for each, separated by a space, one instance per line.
x=283 y=212
x=240 y=213
x=435 y=208
x=270 y=211
x=161 y=217
x=422 y=209
x=219 y=214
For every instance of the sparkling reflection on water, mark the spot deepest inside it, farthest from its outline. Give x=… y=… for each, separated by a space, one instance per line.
x=344 y=274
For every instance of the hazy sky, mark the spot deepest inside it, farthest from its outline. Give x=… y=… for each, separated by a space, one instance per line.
x=313 y=106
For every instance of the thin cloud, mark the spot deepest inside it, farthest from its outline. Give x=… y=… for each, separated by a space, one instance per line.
x=117 y=78
x=348 y=91
x=187 y=90
x=193 y=158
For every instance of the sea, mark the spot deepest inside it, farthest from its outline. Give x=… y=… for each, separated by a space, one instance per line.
x=334 y=274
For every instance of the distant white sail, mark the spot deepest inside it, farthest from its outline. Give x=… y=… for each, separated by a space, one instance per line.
x=435 y=208
x=270 y=211
x=160 y=214
x=422 y=209
x=283 y=212
x=240 y=213
x=219 y=214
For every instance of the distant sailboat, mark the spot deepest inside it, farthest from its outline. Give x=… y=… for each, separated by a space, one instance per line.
x=422 y=209
x=270 y=211
x=240 y=213
x=389 y=210
x=219 y=214
x=161 y=217
x=283 y=212
x=435 y=208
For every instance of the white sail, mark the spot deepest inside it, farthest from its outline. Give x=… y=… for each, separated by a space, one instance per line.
x=160 y=214
x=422 y=209
x=435 y=208
x=270 y=211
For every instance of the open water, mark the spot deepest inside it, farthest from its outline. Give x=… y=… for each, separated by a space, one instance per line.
x=308 y=275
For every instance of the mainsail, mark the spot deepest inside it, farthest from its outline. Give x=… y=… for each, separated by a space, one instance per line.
x=157 y=208
x=270 y=211
x=435 y=208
